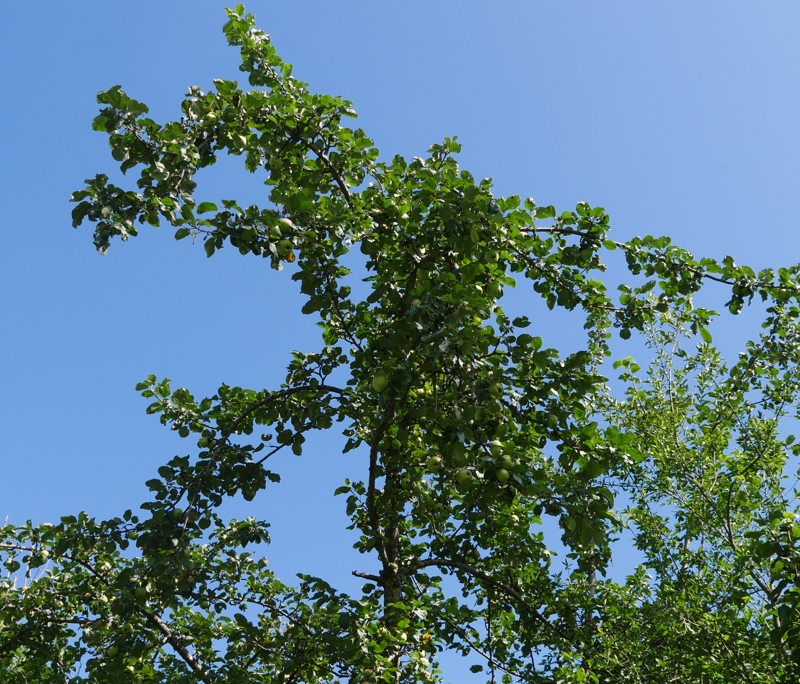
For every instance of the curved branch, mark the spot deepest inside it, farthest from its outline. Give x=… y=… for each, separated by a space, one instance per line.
x=499 y=584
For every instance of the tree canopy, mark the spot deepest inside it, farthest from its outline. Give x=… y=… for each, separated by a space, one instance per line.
x=473 y=438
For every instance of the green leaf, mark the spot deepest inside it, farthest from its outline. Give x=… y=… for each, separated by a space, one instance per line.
x=206 y=207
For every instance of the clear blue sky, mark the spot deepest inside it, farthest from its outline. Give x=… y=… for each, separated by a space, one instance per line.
x=680 y=118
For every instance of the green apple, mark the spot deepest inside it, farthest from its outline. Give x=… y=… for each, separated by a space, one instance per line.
x=435 y=464
x=494 y=289
x=496 y=448
x=286 y=222
x=274 y=233
x=380 y=383
x=464 y=476
x=140 y=592
x=210 y=117
x=491 y=256
x=501 y=430
x=112 y=650
x=552 y=420
x=502 y=475
x=496 y=389
x=202 y=442
x=249 y=234
x=508 y=462
x=285 y=247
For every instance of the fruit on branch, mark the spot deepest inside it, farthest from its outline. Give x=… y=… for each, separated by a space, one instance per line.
x=464 y=476
x=434 y=464
x=494 y=289
x=496 y=389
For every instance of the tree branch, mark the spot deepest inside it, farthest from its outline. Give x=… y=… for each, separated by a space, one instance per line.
x=486 y=577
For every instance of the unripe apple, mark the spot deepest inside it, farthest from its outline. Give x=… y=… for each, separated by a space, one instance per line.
x=286 y=222
x=508 y=462
x=464 y=476
x=140 y=592
x=202 y=442
x=285 y=247
x=501 y=430
x=502 y=475
x=274 y=233
x=112 y=651
x=494 y=289
x=496 y=389
x=211 y=117
x=491 y=256
x=380 y=383
x=496 y=448
x=435 y=464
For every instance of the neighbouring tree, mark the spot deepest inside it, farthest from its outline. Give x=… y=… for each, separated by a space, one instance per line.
x=475 y=441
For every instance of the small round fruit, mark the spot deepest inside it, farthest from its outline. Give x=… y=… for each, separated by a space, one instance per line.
x=380 y=383
x=497 y=448
x=435 y=464
x=464 y=476
x=274 y=233
x=112 y=651
x=202 y=442
x=501 y=430
x=508 y=462
x=491 y=256
x=552 y=420
x=211 y=117
x=140 y=592
x=249 y=234
x=494 y=289
x=286 y=222
x=502 y=475
x=495 y=389
x=285 y=247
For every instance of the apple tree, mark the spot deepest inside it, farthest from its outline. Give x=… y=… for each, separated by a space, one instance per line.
x=474 y=439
